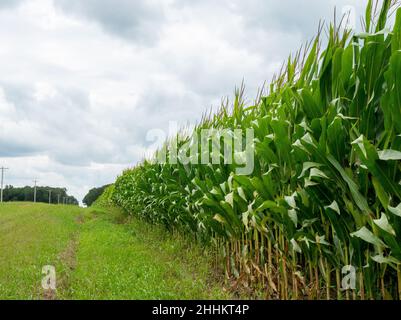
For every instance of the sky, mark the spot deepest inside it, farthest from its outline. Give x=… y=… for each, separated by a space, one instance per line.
x=83 y=82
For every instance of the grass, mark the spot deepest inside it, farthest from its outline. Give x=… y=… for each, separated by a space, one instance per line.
x=98 y=255
x=32 y=236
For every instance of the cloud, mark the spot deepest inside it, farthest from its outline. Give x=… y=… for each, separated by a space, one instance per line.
x=137 y=20
x=59 y=121
x=83 y=82
x=10 y=3
x=12 y=148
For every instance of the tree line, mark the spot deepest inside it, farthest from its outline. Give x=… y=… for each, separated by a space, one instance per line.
x=57 y=195
x=93 y=195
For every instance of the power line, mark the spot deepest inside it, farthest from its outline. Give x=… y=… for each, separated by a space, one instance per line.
x=2 y=180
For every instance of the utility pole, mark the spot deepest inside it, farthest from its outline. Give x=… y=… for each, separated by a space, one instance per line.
x=34 y=190
x=50 y=196
x=2 y=181
x=58 y=199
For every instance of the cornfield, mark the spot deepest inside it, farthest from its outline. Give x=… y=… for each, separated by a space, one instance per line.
x=325 y=191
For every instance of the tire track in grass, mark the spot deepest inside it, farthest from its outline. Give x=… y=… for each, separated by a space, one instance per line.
x=127 y=261
x=68 y=261
x=32 y=236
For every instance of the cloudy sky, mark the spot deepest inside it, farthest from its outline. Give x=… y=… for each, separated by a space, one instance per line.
x=83 y=81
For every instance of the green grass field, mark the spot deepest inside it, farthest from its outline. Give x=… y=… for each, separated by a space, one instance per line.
x=97 y=254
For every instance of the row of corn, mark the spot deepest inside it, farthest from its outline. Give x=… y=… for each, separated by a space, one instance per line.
x=319 y=217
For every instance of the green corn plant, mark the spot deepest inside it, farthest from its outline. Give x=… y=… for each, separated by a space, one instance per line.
x=325 y=190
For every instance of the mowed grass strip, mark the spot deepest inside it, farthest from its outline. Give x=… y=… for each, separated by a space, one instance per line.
x=97 y=255
x=133 y=260
x=32 y=236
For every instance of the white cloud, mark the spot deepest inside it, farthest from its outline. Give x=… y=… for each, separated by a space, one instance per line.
x=138 y=20
x=82 y=82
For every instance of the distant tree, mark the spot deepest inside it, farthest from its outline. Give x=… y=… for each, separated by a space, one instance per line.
x=93 y=195
x=12 y=194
